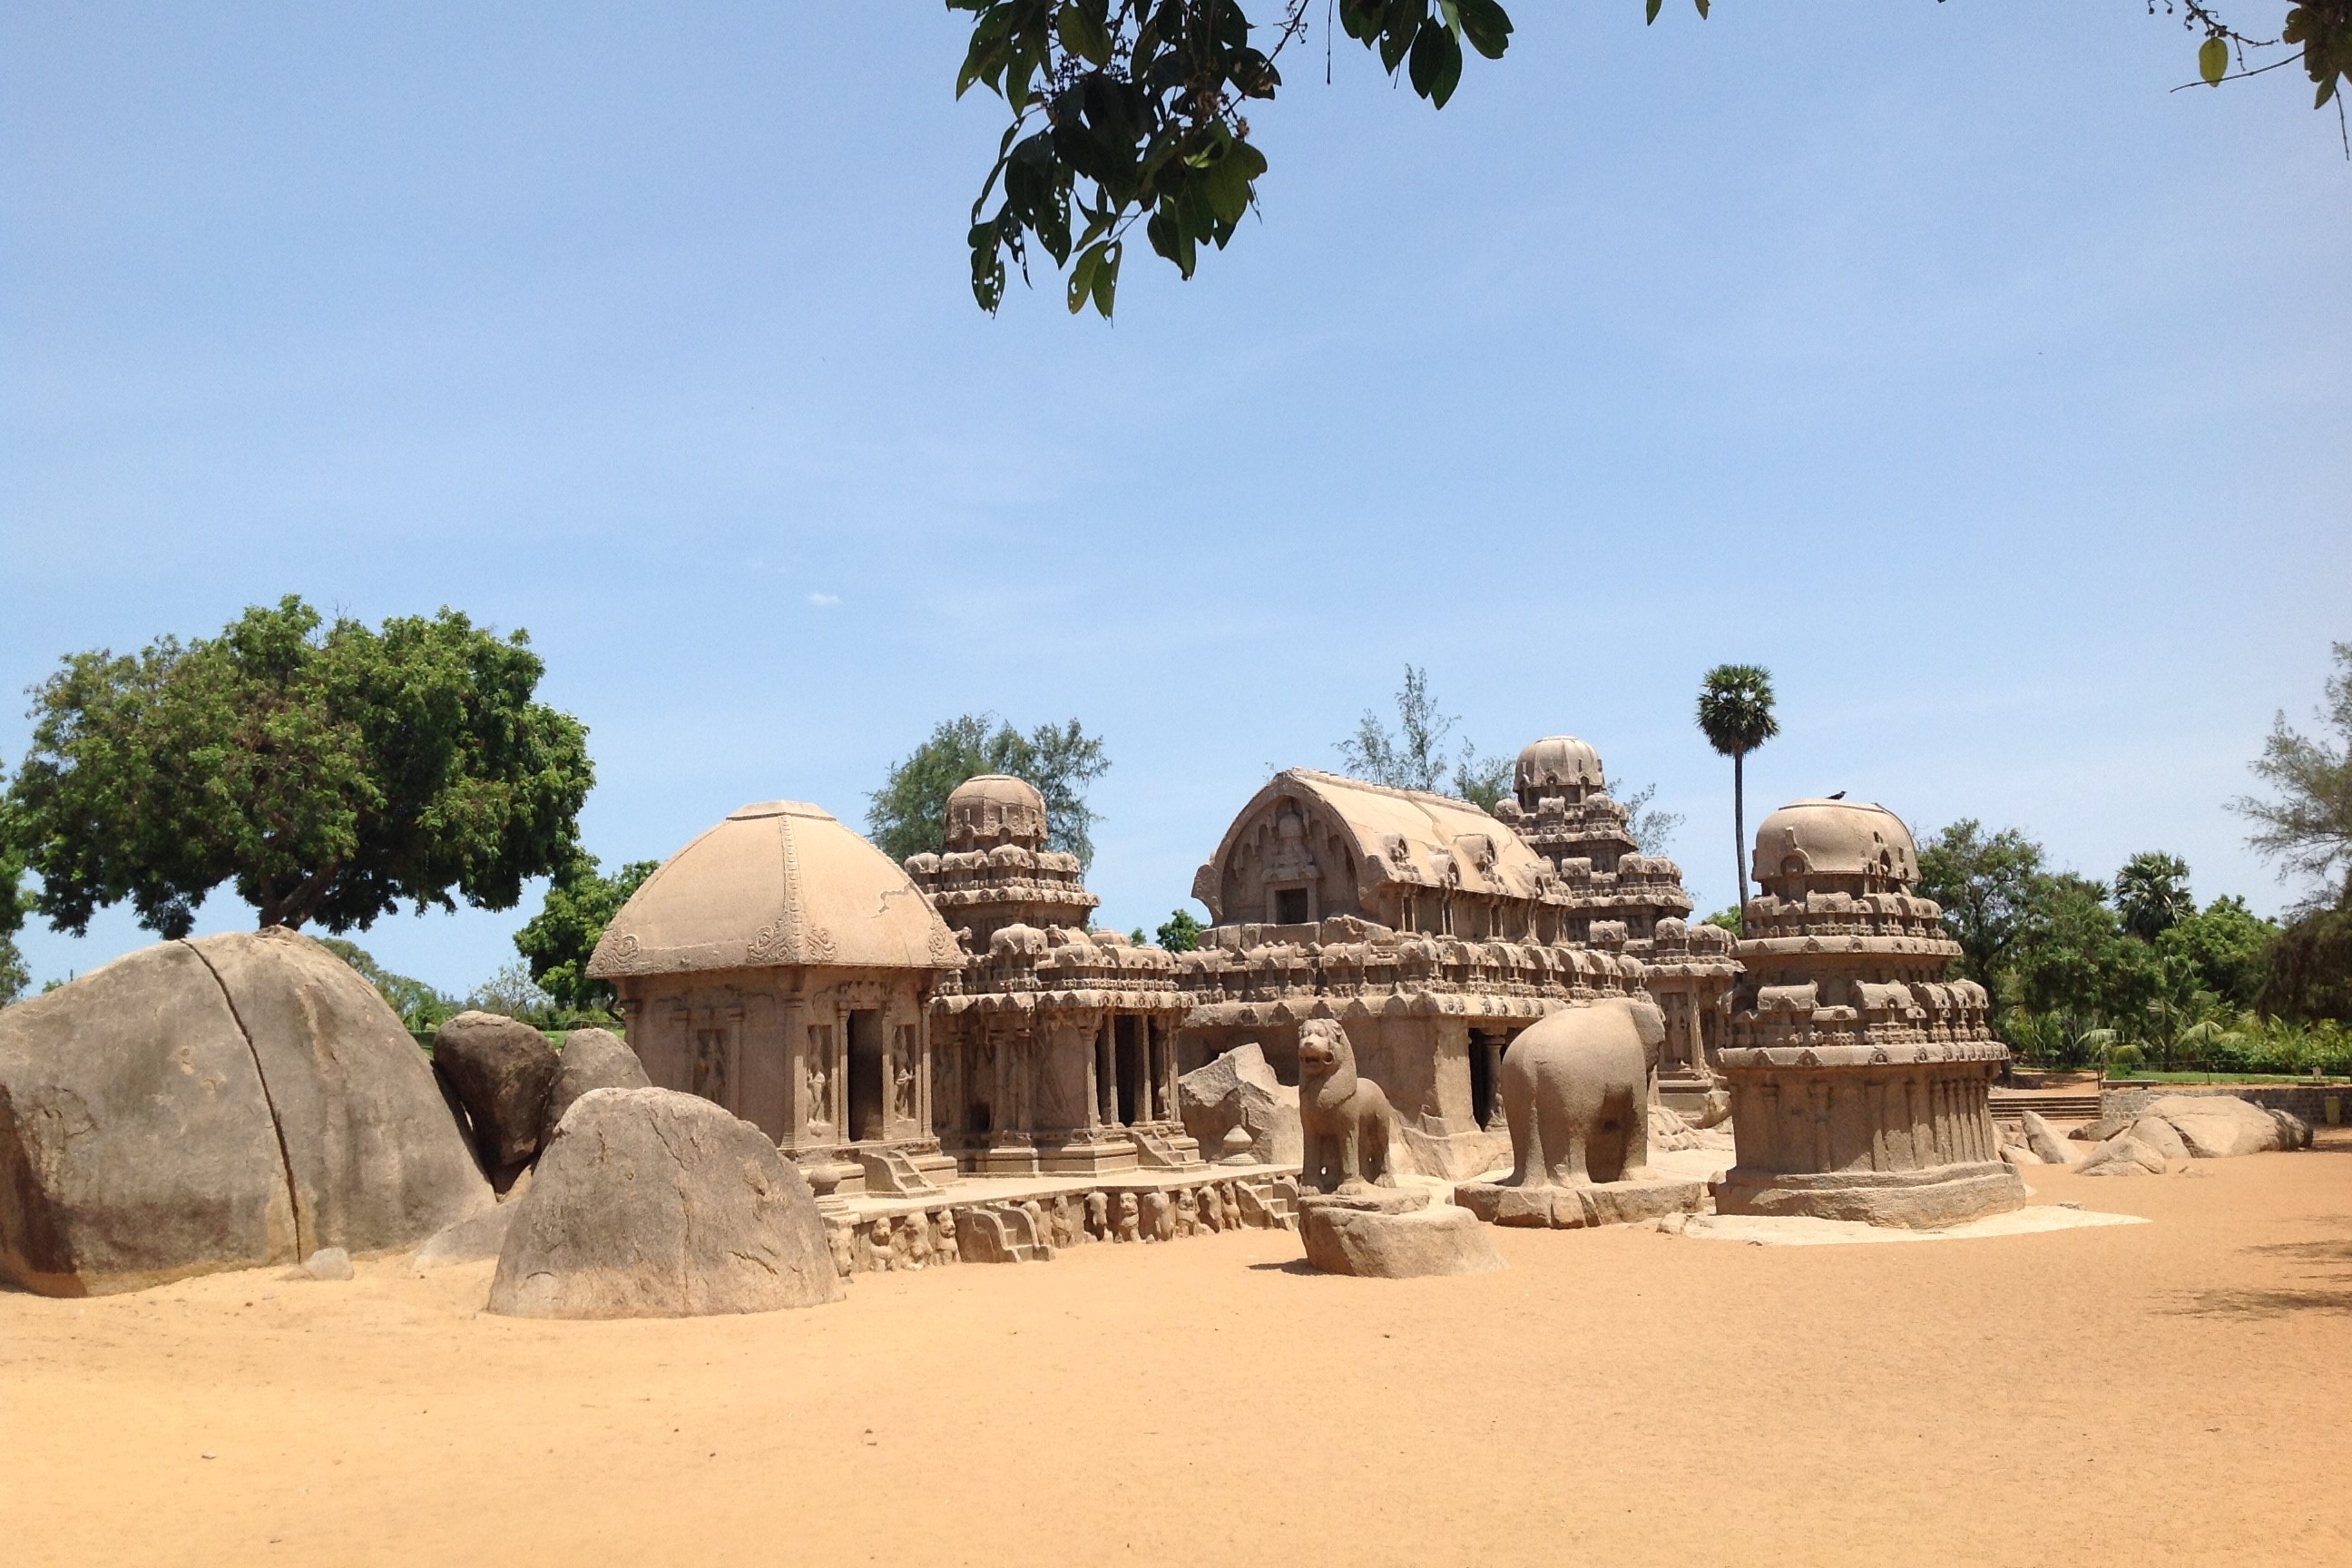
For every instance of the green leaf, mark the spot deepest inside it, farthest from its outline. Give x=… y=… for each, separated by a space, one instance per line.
x=1082 y=277
x=2213 y=60
x=1654 y=4
x=1436 y=64
x=1396 y=42
x=1083 y=35
x=1487 y=27
x=1105 y=289
x=2327 y=91
x=1702 y=10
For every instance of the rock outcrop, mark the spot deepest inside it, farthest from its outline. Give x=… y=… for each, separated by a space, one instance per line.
x=1393 y=1234
x=502 y=1070
x=2217 y=1126
x=2123 y=1155
x=652 y=1203
x=2158 y=1134
x=591 y=1058
x=2043 y=1140
x=228 y=1103
x=1240 y=1089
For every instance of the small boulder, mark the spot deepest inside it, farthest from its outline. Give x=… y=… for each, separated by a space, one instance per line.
x=591 y=1058
x=2295 y=1132
x=2104 y=1128
x=2044 y=1142
x=1240 y=1089
x=2018 y=1154
x=328 y=1263
x=1379 y=1243
x=2157 y=1134
x=652 y=1203
x=2123 y=1155
x=502 y=1070
x=2217 y=1126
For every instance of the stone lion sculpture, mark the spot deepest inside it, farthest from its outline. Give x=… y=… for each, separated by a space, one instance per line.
x=1575 y=1094
x=1347 y=1121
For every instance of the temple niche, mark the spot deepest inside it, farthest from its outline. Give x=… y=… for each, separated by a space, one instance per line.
x=1427 y=927
x=1626 y=901
x=1053 y=1051
x=1858 y=1072
x=783 y=967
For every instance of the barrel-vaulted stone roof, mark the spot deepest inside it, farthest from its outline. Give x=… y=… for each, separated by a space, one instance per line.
x=778 y=883
x=1396 y=835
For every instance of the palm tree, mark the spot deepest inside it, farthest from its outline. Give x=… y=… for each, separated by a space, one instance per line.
x=2152 y=894
x=1735 y=711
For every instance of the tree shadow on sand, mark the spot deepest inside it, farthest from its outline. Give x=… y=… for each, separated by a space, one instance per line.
x=2327 y=1291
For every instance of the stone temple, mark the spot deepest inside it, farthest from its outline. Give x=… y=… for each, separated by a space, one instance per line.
x=949 y=1039
x=1859 y=1074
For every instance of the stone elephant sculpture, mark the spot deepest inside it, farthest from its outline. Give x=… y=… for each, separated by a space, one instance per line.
x=1575 y=1094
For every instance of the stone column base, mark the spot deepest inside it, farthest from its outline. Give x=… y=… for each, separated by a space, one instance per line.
x=1576 y=1207
x=1393 y=1234
x=1932 y=1199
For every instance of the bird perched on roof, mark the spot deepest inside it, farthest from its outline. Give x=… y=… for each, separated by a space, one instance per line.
x=1840 y=796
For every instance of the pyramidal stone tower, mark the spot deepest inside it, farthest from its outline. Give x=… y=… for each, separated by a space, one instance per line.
x=1858 y=1072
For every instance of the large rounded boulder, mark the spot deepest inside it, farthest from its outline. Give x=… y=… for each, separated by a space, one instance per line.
x=502 y=1070
x=591 y=1059
x=227 y=1102
x=651 y=1204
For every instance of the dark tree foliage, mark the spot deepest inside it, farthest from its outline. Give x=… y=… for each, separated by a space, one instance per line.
x=1180 y=932
x=1414 y=754
x=2318 y=32
x=2152 y=894
x=2308 y=828
x=908 y=815
x=1985 y=884
x=2225 y=949
x=328 y=772
x=2310 y=971
x=558 y=941
x=1133 y=111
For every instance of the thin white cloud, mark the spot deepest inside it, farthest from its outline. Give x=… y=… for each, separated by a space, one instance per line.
x=824 y=601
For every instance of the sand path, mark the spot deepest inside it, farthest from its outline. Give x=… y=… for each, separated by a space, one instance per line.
x=2164 y=1392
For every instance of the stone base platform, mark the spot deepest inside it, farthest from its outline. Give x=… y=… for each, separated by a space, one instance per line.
x=1393 y=1233
x=1580 y=1208
x=1028 y=1218
x=1933 y=1199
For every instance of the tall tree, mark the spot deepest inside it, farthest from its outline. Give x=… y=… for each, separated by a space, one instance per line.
x=1128 y=111
x=908 y=815
x=2152 y=894
x=1986 y=886
x=558 y=941
x=1735 y=713
x=1651 y=827
x=2308 y=829
x=326 y=773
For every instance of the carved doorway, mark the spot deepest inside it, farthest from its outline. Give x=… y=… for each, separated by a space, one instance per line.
x=1131 y=1069
x=868 y=1095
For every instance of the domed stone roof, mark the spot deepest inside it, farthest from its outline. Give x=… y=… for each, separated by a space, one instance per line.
x=777 y=883
x=992 y=809
x=1557 y=761
x=1835 y=838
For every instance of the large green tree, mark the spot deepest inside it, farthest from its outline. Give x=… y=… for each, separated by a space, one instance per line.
x=2152 y=894
x=1735 y=714
x=1414 y=755
x=1128 y=111
x=14 y=906
x=908 y=815
x=327 y=772
x=558 y=941
x=1985 y=884
x=2307 y=828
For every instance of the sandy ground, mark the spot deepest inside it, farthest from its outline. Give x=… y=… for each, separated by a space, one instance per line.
x=2170 y=1392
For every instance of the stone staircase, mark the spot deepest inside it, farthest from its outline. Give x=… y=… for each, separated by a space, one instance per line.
x=2051 y=1104
x=1153 y=1152
x=890 y=1172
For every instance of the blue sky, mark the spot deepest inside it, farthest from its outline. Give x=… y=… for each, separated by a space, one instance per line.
x=1934 y=355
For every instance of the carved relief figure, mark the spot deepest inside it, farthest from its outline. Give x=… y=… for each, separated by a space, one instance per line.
x=1188 y=1212
x=845 y=1257
x=1129 y=1221
x=1098 y=1215
x=1230 y=1205
x=820 y=1094
x=875 y=1254
x=918 y=1241
x=1346 y=1120
x=902 y=1093
x=943 y=1243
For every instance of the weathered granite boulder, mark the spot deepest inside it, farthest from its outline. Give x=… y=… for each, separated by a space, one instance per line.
x=2104 y=1128
x=1240 y=1089
x=228 y=1103
x=651 y=1204
x=2043 y=1140
x=2158 y=1134
x=1393 y=1234
x=328 y=1264
x=591 y=1058
x=502 y=1070
x=2295 y=1132
x=2018 y=1154
x=2216 y=1126
x=2123 y=1155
